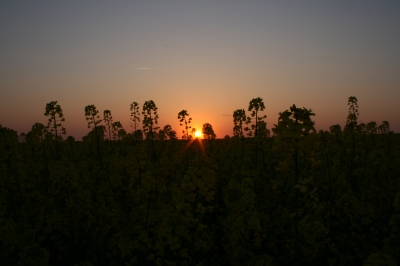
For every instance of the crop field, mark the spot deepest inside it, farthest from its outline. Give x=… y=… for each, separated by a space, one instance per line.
x=289 y=196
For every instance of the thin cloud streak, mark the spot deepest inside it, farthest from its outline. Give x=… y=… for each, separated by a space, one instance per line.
x=144 y=68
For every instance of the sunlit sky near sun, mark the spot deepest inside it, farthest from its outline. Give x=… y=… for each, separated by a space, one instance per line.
x=207 y=57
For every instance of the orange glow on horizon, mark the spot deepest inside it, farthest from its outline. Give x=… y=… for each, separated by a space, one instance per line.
x=197 y=134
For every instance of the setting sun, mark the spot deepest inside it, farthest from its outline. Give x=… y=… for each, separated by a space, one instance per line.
x=197 y=134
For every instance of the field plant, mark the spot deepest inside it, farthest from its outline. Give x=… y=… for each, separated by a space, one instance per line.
x=350 y=128
x=93 y=119
x=71 y=141
x=256 y=105
x=192 y=207
x=135 y=119
x=239 y=118
x=208 y=131
x=108 y=120
x=295 y=125
x=166 y=133
x=169 y=132
x=185 y=121
x=150 y=121
x=8 y=138
x=336 y=130
x=54 y=112
x=193 y=133
x=384 y=128
x=115 y=127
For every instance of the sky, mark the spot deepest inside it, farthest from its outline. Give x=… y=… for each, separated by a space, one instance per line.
x=207 y=57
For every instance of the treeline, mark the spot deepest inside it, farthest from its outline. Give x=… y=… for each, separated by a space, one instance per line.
x=146 y=127
x=294 y=198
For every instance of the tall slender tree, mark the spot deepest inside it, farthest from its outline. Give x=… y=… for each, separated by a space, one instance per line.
x=71 y=141
x=121 y=134
x=372 y=127
x=256 y=105
x=185 y=121
x=150 y=120
x=22 y=137
x=208 y=131
x=351 y=126
x=193 y=133
x=108 y=120
x=384 y=127
x=169 y=132
x=135 y=118
x=54 y=112
x=38 y=132
x=166 y=132
x=293 y=126
x=93 y=118
x=239 y=117
x=337 y=130
x=262 y=130
x=116 y=126
x=352 y=117
x=8 y=139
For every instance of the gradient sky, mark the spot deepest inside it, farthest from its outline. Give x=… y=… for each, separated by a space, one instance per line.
x=207 y=57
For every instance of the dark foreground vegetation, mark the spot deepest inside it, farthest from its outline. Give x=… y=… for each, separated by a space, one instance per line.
x=298 y=197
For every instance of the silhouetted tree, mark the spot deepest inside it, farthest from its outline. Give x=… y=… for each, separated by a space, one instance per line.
x=166 y=132
x=98 y=132
x=116 y=126
x=54 y=111
x=337 y=130
x=138 y=135
x=38 y=132
x=182 y=115
x=208 y=131
x=93 y=118
x=8 y=140
x=150 y=120
x=239 y=117
x=71 y=141
x=293 y=126
x=169 y=132
x=262 y=130
x=108 y=120
x=384 y=127
x=22 y=137
x=193 y=133
x=256 y=105
x=362 y=129
x=121 y=134
x=372 y=128
x=351 y=126
x=135 y=116
x=352 y=118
